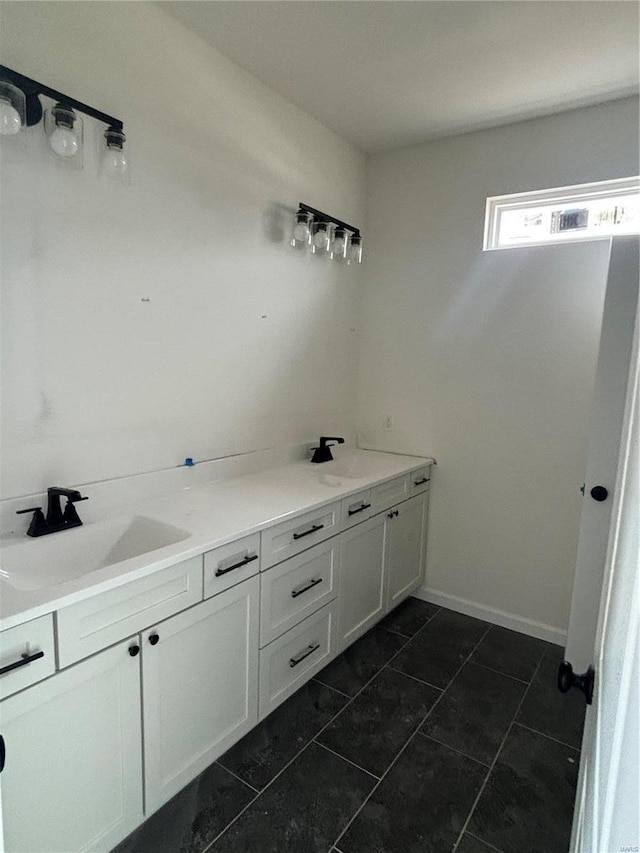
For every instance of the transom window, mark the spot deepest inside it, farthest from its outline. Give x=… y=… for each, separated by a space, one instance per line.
x=563 y=215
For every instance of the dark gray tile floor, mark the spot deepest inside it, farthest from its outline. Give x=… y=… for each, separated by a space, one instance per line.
x=433 y=733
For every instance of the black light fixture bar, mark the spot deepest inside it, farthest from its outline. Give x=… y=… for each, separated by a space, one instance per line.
x=319 y=216
x=32 y=88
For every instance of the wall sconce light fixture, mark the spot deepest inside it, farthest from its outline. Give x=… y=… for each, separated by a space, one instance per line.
x=324 y=235
x=20 y=107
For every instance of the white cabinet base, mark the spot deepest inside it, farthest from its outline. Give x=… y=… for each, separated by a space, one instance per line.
x=405 y=549
x=291 y=660
x=200 y=687
x=362 y=600
x=73 y=774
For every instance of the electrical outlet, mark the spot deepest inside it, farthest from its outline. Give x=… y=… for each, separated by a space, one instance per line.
x=388 y=423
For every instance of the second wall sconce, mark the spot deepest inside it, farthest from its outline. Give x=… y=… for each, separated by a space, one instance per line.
x=20 y=107
x=325 y=236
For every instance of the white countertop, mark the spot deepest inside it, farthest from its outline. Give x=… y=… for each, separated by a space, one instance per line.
x=212 y=514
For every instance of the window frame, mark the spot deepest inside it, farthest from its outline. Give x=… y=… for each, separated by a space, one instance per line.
x=575 y=193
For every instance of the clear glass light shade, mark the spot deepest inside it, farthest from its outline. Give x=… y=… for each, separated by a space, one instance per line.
x=321 y=235
x=115 y=161
x=354 y=252
x=65 y=137
x=339 y=245
x=301 y=231
x=12 y=109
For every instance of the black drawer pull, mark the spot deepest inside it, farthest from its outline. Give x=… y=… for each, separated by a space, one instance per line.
x=3 y=753
x=25 y=660
x=154 y=638
x=248 y=559
x=420 y=482
x=134 y=650
x=296 y=659
x=300 y=589
x=307 y=532
x=359 y=509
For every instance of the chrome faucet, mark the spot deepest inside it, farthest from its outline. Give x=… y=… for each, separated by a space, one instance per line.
x=56 y=518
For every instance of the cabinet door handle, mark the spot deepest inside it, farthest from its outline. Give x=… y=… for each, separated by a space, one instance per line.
x=154 y=638
x=420 y=482
x=312 y=529
x=3 y=753
x=300 y=589
x=134 y=650
x=248 y=559
x=296 y=659
x=25 y=659
x=359 y=509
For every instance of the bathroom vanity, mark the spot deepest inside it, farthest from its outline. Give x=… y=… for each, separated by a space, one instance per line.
x=120 y=685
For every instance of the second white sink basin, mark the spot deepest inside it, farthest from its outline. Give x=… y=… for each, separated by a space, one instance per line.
x=31 y=564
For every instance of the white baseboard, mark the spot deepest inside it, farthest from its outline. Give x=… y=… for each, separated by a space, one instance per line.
x=496 y=617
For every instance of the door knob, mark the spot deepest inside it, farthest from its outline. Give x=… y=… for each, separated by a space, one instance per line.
x=568 y=679
x=599 y=493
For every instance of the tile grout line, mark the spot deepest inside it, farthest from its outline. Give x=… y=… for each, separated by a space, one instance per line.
x=554 y=739
x=486 y=843
x=497 y=755
x=348 y=760
x=414 y=733
x=453 y=749
x=500 y=672
x=302 y=749
x=377 y=785
x=329 y=687
x=414 y=678
x=239 y=778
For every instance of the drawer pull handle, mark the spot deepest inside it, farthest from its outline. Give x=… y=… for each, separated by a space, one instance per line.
x=420 y=482
x=296 y=659
x=312 y=529
x=359 y=509
x=3 y=753
x=248 y=559
x=23 y=662
x=134 y=650
x=300 y=589
x=154 y=638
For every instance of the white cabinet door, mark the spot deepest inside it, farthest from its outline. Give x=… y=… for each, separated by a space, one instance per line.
x=405 y=548
x=362 y=584
x=200 y=687
x=72 y=779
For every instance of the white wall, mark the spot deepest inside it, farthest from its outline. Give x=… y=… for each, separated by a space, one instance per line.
x=486 y=360
x=243 y=344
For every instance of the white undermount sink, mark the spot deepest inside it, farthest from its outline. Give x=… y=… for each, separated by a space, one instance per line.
x=349 y=468
x=31 y=564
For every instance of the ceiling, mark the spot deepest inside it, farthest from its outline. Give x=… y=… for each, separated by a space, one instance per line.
x=388 y=74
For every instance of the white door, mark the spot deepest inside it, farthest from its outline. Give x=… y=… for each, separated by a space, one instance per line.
x=72 y=779
x=200 y=687
x=605 y=431
x=362 y=596
x=404 y=548
x=607 y=814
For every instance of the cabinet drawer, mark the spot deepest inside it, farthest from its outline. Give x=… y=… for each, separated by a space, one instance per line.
x=297 y=588
x=289 y=538
x=390 y=493
x=97 y=622
x=293 y=658
x=356 y=508
x=230 y=564
x=26 y=655
x=419 y=480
